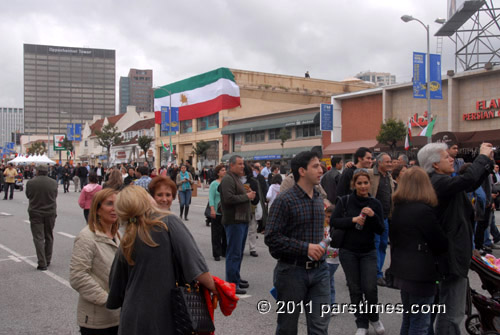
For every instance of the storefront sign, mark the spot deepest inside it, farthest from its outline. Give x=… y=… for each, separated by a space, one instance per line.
x=485 y=110
x=326 y=120
x=266 y=157
x=417 y=121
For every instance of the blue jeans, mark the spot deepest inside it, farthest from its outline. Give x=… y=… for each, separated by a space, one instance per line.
x=415 y=324
x=493 y=230
x=332 y=268
x=236 y=235
x=185 y=198
x=452 y=293
x=381 y=247
x=361 y=276
x=308 y=287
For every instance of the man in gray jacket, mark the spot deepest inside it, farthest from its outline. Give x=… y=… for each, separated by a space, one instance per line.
x=42 y=193
x=236 y=211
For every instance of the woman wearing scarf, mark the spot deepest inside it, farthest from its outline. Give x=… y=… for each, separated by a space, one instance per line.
x=184 y=181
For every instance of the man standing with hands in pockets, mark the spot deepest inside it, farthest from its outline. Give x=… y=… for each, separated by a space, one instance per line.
x=293 y=232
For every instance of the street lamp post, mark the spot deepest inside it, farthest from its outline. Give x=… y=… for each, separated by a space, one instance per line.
x=408 y=18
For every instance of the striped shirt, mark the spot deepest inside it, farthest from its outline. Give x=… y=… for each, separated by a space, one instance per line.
x=294 y=221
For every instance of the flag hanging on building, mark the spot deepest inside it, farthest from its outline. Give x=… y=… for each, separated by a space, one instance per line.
x=408 y=136
x=199 y=96
x=427 y=131
x=165 y=147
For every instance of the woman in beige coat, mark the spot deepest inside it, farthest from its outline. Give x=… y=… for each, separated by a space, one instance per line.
x=93 y=253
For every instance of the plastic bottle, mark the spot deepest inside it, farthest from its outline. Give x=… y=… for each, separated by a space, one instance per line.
x=324 y=244
x=358 y=226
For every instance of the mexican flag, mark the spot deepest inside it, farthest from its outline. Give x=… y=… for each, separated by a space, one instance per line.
x=408 y=137
x=165 y=147
x=427 y=131
x=199 y=96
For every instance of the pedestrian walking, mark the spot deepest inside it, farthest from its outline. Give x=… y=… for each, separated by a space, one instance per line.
x=10 y=174
x=88 y=192
x=83 y=172
x=219 y=240
x=184 y=181
x=41 y=192
x=66 y=175
x=76 y=177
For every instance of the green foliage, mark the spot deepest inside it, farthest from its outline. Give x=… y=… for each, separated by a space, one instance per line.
x=284 y=136
x=108 y=136
x=201 y=149
x=68 y=144
x=37 y=148
x=144 y=142
x=391 y=132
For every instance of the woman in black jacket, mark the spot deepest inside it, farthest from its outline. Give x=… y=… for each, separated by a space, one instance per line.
x=360 y=216
x=416 y=240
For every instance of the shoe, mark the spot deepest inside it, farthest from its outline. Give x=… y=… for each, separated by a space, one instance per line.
x=487 y=249
x=244 y=285
x=379 y=327
x=254 y=254
x=217 y=259
x=361 y=331
x=381 y=282
x=41 y=268
x=48 y=264
x=240 y=291
x=186 y=219
x=243 y=281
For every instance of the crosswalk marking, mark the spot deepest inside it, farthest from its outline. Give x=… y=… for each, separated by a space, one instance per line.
x=5 y=214
x=66 y=234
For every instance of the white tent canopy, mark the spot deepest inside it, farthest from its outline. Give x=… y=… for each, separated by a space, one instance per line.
x=37 y=159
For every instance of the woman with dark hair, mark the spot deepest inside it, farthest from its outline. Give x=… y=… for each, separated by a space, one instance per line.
x=142 y=275
x=93 y=253
x=360 y=217
x=163 y=190
x=88 y=192
x=219 y=241
x=114 y=181
x=184 y=181
x=416 y=241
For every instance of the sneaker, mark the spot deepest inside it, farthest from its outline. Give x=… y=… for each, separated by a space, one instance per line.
x=243 y=281
x=242 y=285
x=361 y=331
x=41 y=268
x=379 y=327
x=240 y=291
x=254 y=254
x=217 y=259
x=381 y=282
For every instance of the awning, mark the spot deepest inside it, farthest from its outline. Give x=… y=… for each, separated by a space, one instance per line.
x=348 y=147
x=270 y=154
x=282 y=122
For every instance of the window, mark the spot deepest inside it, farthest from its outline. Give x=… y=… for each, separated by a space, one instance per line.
x=274 y=134
x=255 y=136
x=309 y=130
x=208 y=122
x=186 y=126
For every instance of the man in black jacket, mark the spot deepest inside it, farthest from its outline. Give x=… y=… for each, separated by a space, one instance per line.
x=83 y=172
x=456 y=216
x=362 y=160
x=331 y=179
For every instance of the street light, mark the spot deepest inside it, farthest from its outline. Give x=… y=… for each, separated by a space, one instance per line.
x=408 y=18
x=169 y=120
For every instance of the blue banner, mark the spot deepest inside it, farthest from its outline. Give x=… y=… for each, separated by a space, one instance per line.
x=326 y=120
x=70 y=132
x=165 y=122
x=10 y=145
x=77 y=134
x=436 y=87
x=419 y=88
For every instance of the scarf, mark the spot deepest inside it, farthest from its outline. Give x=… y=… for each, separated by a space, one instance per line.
x=185 y=186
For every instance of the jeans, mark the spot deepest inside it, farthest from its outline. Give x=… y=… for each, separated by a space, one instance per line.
x=76 y=181
x=309 y=288
x=83 y=182
x=415 y=324
x=219 y=241
x=185 y=198
x=332 y=268
x=381 y=247
x=6 y=187
x=361 y=276
x=493 y=230
x=452 y=293
x=43 y=238
x=481 y=228
x=236 y=234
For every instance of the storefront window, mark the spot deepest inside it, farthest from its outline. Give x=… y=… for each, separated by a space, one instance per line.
x=208 y=122
x=238 y=141
x=186 y=126
x=274 y=134
x=309 y=130
x=255 y=136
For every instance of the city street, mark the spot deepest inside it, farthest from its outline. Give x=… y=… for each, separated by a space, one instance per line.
x=34 y=302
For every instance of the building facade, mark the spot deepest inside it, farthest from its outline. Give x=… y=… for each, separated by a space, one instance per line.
x=11 y=125
x=124 y=94
x=137 y=90
x=66 y=85
x=378 y=78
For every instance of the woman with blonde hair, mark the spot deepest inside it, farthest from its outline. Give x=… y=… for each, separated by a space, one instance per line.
x=142 y=275
x=93 y=253
x=416 y=242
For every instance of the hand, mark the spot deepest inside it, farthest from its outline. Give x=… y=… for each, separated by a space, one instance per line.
x=359 y=220
x=251 y=195
x=315 y=251
x=368 y=211
x=212 y=213
x=494 y=195
x=349 y=165
x=486 y=149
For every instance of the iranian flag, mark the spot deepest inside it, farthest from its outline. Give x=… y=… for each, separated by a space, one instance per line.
x=165 y=147
x=427 y=131
x=199 y=96
x=408 y=136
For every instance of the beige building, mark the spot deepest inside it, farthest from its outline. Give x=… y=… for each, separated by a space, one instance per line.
x=260 y=94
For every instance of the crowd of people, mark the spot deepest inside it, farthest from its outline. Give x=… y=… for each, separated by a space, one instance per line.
x=436 y=211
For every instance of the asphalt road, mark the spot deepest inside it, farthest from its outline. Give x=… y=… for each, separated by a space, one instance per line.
x=34 y=302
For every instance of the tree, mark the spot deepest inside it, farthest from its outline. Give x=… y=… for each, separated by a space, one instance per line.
x=284 y=136
x=37 y=148
x=68 y=145
x=108 y=136
x=391 y=132
x=201 y=149
x=145 y=143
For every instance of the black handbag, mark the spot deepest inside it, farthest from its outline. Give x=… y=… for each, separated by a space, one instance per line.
x=338 y=234
x=208 y=211
x=189 y=307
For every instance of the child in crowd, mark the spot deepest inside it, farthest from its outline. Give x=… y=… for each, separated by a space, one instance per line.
x=332 y=254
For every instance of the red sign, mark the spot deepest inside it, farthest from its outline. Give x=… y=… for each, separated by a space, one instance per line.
x=485 y=110
x=419 y=121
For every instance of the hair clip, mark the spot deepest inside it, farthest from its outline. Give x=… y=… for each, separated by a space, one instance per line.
x=132 y=220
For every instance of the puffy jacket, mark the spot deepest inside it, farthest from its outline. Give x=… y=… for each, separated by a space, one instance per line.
x=85 y=199
x=91 y=260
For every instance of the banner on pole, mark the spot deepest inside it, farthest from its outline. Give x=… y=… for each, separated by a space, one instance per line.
x=435 y=80
x=166 y=125
x=419 y=81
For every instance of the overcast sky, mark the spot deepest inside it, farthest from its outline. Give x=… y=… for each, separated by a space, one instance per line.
x=332 y=39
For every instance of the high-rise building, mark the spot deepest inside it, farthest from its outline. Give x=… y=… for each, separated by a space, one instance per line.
x=139 y=90
x=379 y=78
x=66 y=85
x=11 y=124
x=124 y=94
